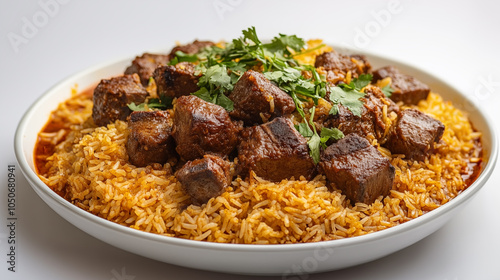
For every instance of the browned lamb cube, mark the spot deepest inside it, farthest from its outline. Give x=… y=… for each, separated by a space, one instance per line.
x=111 y=98
x=191 y=48
x=406 y=88
x=255 y=98
x=371 y=122
x=335 y=61
x=414 y=135
x=362 y=62
x=176 y=81
x=358 y=169
x=146 y=64
x=203 y=128
x=338 y=65
x=204 y=178
x=275 y=151
x=150 y=139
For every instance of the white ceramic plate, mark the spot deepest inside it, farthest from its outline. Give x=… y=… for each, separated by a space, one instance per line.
x=248 y=259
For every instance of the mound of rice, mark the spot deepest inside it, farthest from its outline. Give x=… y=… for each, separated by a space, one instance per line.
x=90 y=168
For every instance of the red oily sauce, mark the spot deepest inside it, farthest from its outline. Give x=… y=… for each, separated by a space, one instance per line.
x=44 y=149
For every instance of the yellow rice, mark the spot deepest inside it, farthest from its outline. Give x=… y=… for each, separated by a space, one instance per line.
x=91 y=165
x=91 y=168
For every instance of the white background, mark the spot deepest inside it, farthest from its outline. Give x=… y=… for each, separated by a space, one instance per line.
x=457 y=41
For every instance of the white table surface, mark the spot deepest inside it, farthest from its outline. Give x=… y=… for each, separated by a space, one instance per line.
x=42 y=43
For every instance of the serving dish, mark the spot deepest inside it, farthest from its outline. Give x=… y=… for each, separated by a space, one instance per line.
x=238 y=258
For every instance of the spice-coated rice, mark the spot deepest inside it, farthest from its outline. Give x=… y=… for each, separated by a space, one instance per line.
x=90 y=168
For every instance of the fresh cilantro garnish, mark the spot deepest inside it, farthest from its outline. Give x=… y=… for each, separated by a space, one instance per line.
x=137 y=107
x=387 y=90
x=350 y=99
x=155 y=103
x=362 y=81
x=216 y=79
x=183 y=57
x=349 y=95
x=164 y=102
x=280 y=46
x=213 y=86
x=330 y=133
x=220 y=69
x=315 y=142
x=304 y=129
x=219 y=99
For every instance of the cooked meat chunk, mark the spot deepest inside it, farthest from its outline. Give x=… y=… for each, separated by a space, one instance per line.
x=150 y=139
x=112 y=96
x=362 y=63
x=337 y=65
x=145 y=65
x=256 y=98
x=372 y=120
x=203 y=128
x=192 y=48
x=406 y=88
x=275 y=151
x=358 y=169
x=335 y=61
x=204 y=178
x=176 y=81
x=414 y=134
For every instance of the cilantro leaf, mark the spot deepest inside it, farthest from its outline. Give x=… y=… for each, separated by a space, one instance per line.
x=137 y=107
x=284 y=76
x=183 y=57
x=173 y=61
x=316 y=142
x=357 y=84
x=330 y=133
x=352 y=102
x=387 y=90
x=349 y=95
x=334 y=110
x=304 y=129
x=350 y=99
x=314 y=147
x=235 y=70
x=251 y=35
x=164 y=102
x=279 y=45
x=292 y=41
x=204 y=94
x=362 y=81
x=216 y=78
x=214 y=84
x=225 y=102
x=155 y=103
